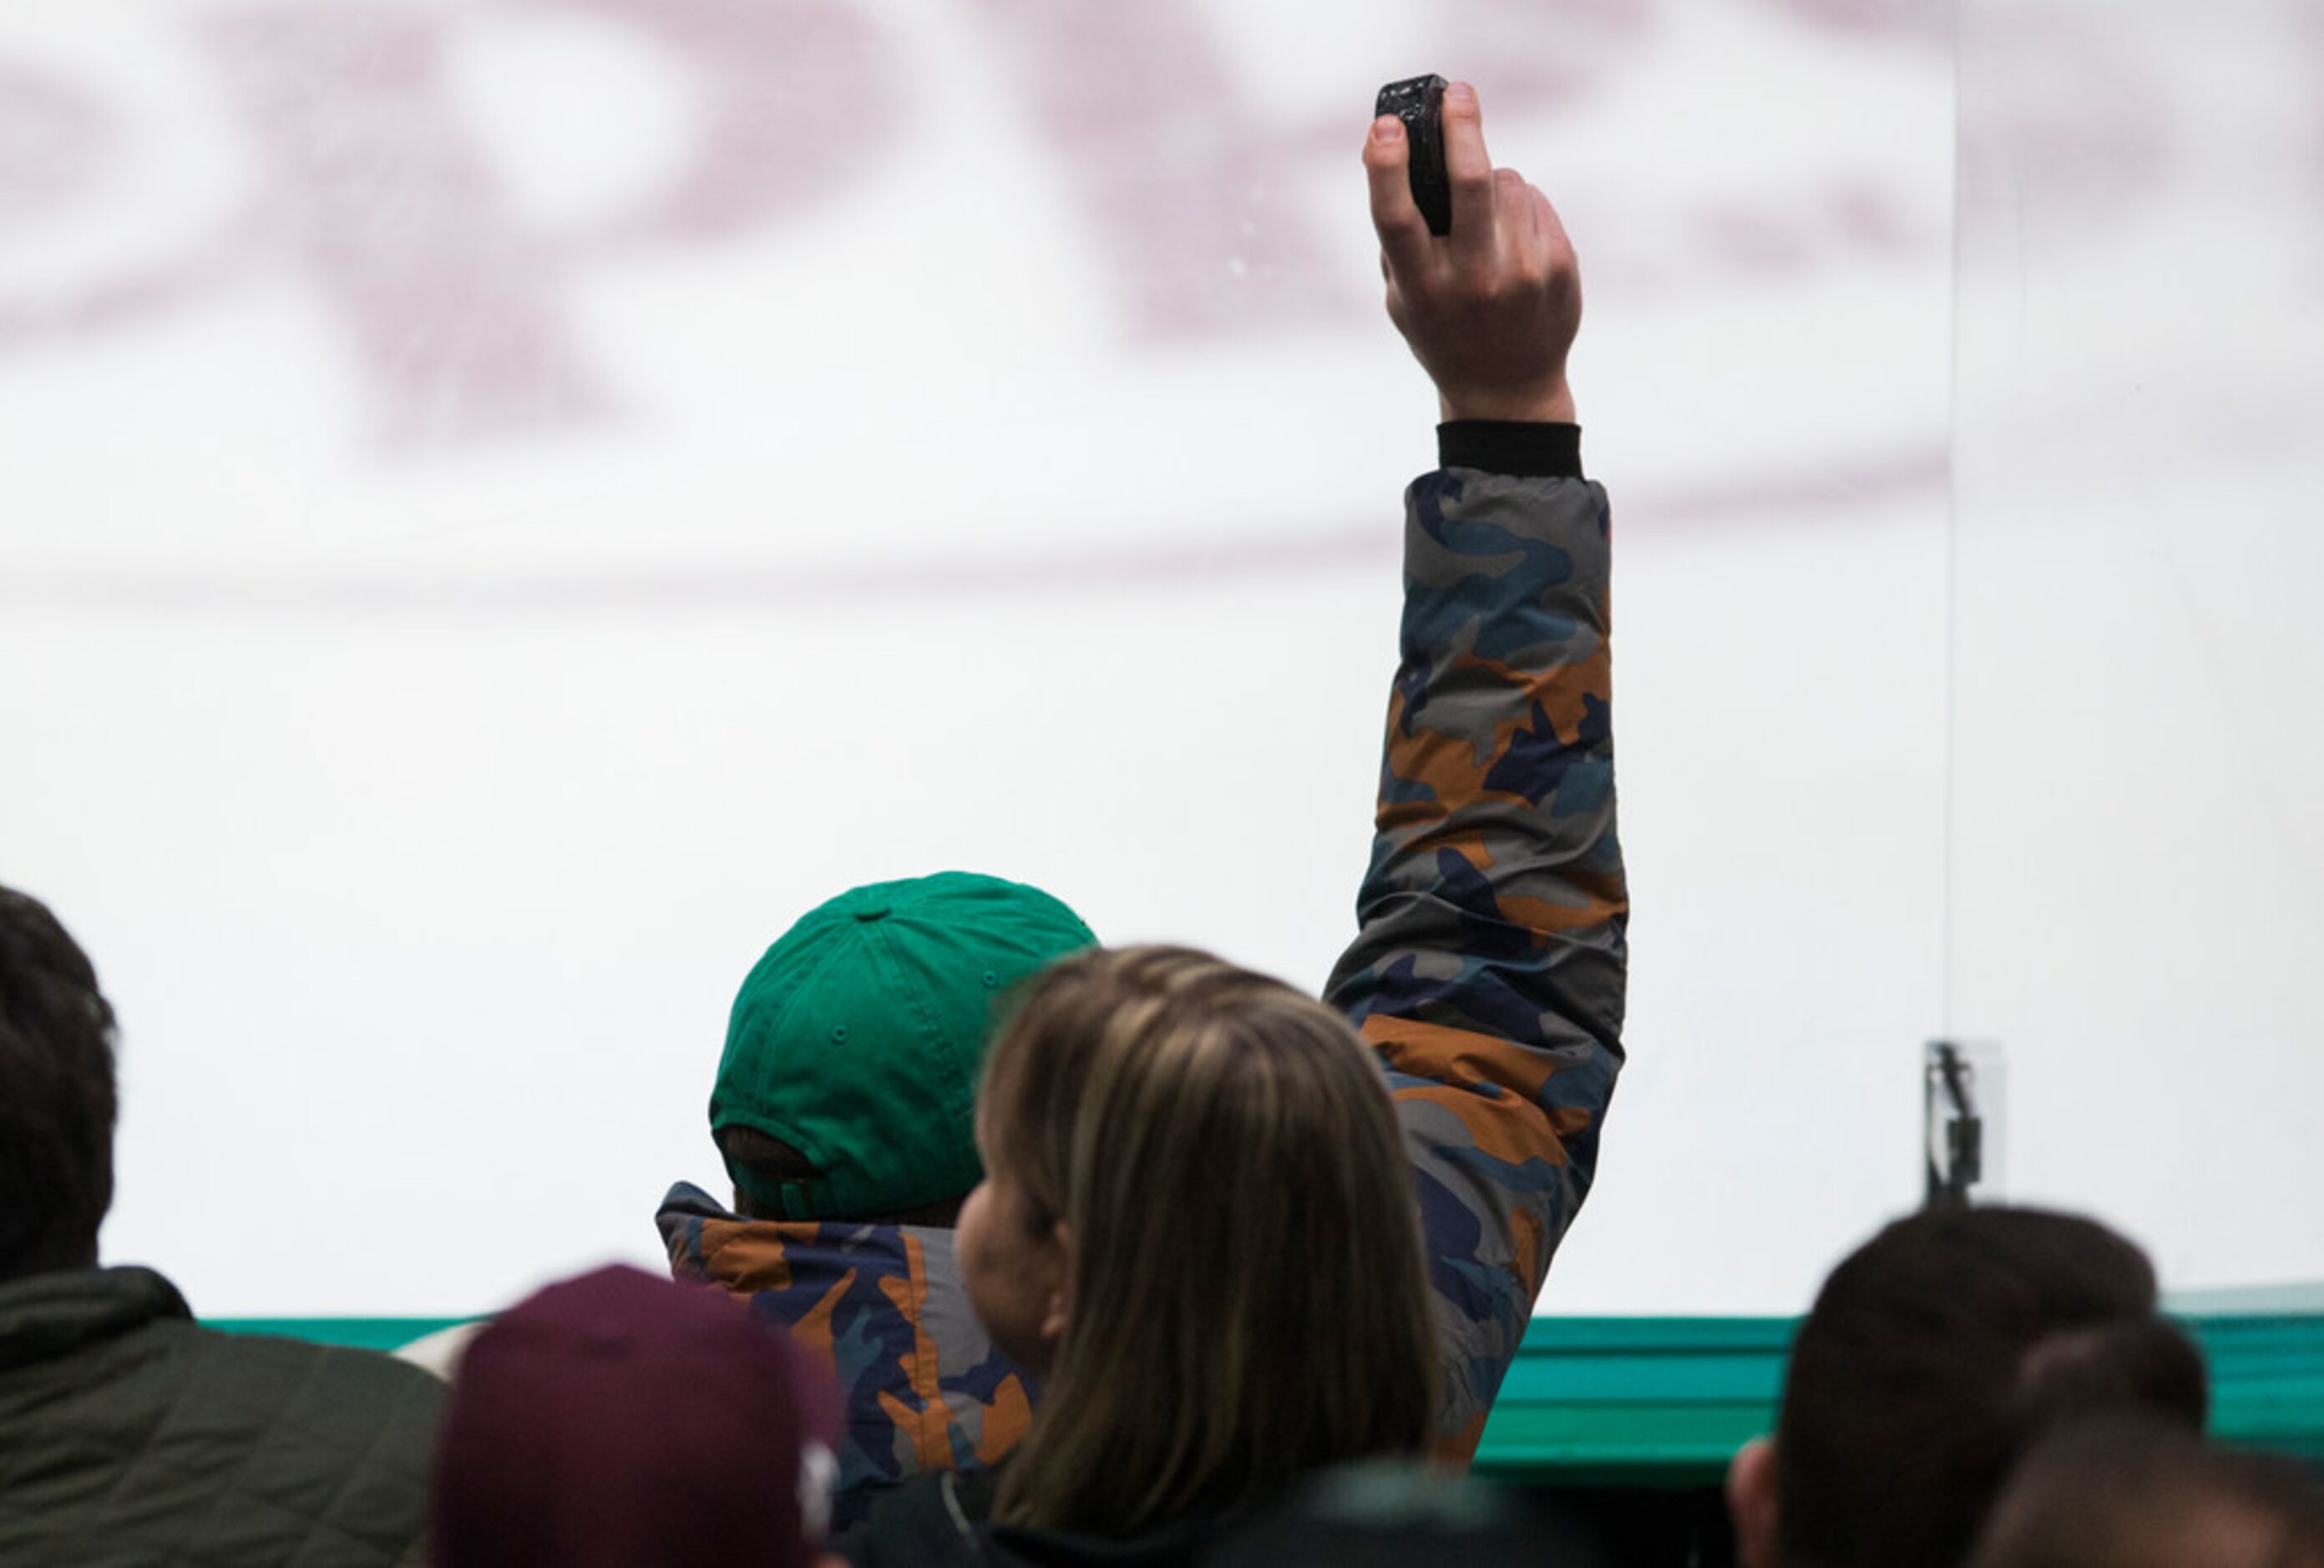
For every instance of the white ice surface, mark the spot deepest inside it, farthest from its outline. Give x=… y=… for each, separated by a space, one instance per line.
x=423 y=781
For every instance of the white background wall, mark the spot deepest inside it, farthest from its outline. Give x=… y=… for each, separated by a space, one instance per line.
x=504 y=506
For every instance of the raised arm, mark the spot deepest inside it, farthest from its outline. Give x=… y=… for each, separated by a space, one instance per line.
x=1489 y=968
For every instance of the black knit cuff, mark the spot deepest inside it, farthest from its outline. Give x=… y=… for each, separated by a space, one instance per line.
x=1521 y=447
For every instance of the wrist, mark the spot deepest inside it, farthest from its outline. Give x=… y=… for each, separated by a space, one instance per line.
x=1551 y=405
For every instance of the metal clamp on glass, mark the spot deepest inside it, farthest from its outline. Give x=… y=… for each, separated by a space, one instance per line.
x=1961 y=1105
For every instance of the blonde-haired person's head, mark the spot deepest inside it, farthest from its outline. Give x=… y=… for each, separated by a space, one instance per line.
x=1198 y=1224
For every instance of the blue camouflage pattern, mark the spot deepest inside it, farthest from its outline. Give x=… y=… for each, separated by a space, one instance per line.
x=1488 y=972
x=921 y=1386
x=1490 y=965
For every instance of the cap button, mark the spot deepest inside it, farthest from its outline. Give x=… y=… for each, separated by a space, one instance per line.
x=872 y=911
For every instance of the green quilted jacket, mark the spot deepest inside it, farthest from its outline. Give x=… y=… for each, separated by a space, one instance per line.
x=130 y=1435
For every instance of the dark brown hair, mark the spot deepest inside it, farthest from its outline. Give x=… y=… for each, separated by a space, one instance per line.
x=2126 y=1493
x=1939 y=1351
x=57 y=1104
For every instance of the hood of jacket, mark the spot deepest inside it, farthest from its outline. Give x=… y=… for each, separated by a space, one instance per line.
x=921 y=1386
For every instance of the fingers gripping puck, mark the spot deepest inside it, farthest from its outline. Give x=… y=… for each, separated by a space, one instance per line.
x=1419 y=102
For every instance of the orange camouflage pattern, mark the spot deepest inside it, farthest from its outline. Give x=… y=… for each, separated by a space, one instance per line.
x=1490 y=962
x=922 y=1387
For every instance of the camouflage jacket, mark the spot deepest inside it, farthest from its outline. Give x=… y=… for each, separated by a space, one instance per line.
x=1489 y=968
x=924 y=1390
x=1488 y=972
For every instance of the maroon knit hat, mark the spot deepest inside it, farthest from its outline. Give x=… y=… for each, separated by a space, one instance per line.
x=617 y=1419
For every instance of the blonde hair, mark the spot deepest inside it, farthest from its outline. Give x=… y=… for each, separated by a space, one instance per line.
x=1249 y=1301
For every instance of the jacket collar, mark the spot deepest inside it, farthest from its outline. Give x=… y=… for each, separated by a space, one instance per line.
x=46 y=1315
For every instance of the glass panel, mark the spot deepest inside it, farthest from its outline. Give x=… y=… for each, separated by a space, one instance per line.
x=2137 y=868
x=506 y=505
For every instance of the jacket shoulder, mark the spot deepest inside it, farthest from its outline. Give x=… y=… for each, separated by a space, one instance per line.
x=207 y=1447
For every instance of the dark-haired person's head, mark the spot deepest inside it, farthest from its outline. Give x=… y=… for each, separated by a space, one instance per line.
x=57 y=1099
x=847 y=1091
x=1407 y=1514
x=1934 y=1356
x=2129 y=1494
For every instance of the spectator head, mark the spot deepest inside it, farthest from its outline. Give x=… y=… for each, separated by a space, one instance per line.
x=1404 y=1514
x=2124 y=1493
x=57 y=1103
x=847 y=1090
x=1934 y=1356
x=1198 y=1225
x=617 y=1419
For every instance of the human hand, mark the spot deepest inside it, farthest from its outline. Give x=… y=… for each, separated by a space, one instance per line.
x=1491 y=310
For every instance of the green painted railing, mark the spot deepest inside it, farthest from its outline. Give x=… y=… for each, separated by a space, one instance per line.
x=1639 y=1401
x=364 y=1334
x=1664 y=1401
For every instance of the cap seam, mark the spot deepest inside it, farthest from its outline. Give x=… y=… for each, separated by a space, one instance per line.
x=961 y=1092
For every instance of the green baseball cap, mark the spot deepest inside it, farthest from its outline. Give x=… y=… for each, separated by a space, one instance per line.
x=857 y=1039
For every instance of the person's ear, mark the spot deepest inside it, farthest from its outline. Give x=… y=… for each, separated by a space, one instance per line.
x=1751 y=1502
x=1059 y=1308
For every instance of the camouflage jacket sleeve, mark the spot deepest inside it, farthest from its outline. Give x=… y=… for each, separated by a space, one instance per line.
x=1489 y=969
